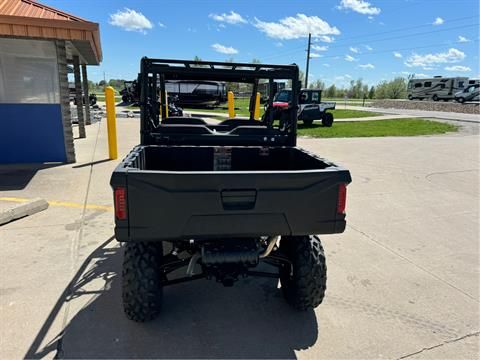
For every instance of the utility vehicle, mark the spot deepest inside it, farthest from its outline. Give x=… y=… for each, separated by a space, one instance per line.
x=310 y=106
x=225 y=200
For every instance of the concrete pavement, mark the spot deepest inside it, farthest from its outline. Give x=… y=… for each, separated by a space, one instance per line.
x=403 y=280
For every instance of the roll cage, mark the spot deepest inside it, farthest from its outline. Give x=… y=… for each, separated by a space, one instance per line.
x=157 y=128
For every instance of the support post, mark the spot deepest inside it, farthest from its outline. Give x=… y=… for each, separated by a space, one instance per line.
x=111 y=122
x=231 y=104
x=86 y=93
x=257 y=107
x=78 y=97
x=64 y=100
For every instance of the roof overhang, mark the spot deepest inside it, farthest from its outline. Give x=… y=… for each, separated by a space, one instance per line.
x=82 y=37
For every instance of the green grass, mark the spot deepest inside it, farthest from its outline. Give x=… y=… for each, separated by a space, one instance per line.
x=241 y=109
x=345 y=114
x=395 y=127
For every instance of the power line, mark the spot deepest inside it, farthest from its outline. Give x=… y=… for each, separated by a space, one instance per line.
x=292 y=50
x=378 y=40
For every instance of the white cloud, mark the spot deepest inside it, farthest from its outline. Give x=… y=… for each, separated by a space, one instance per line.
x=367 y=66
x=162 y=25
x=343 y=77
x=451 y=56
x=326 y=65
x=278 y=44
x=224 y=49
x=438 y=21
x=463 y=39
x=360 y=6
x=397 y=54
x=231 y=18
x=130 y=20
x=368 y=47
x=296 y=27
x=428 y=68
x=354 y=49
x=320 y=48
x=350 y=58
x=315 y=55
x=422 y=75
x=326 y=39
x=458 y=68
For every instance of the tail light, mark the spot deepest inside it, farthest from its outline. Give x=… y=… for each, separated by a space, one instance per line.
x=120 y=203
x=342 y=198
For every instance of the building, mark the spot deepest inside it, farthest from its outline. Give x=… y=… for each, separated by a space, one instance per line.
x=37 y=44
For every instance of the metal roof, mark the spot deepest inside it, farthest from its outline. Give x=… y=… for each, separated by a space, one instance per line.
x=31 y=19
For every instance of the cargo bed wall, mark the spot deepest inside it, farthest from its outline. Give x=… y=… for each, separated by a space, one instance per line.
x=257 y=196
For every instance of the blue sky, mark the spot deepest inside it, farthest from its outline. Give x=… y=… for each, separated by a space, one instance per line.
x=373 y=40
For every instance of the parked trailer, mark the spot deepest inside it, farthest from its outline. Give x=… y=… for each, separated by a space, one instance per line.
x=197 y=93
x=436 y=88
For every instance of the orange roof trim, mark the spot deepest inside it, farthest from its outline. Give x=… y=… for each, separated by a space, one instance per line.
x=28 y=18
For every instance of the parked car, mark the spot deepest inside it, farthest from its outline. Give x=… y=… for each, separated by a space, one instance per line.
x=196 y=200
x=471 y=93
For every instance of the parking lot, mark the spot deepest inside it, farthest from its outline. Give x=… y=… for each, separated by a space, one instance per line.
x=403 y=280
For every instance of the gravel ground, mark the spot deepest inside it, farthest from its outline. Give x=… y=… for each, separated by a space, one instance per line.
x=427 y=105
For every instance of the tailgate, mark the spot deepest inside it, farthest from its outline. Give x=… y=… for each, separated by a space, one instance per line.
x=166 y=205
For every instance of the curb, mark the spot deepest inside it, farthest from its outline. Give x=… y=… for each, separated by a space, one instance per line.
x=22 y=210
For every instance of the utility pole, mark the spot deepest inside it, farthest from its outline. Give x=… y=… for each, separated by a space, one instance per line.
x=308 y=59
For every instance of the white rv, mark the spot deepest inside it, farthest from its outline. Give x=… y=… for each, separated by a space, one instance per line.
x=436 y=88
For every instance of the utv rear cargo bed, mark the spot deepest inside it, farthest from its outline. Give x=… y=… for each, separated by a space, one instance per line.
x=182 y=192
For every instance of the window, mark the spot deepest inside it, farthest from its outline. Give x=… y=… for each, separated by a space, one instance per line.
x=28 y=72
x=418 y=85
x=461 y=84
x=427 y=84
x=442 y=86
x=315 y=97
x=283 y=96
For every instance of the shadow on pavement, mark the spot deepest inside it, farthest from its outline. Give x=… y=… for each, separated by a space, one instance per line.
x=17 y=176
x=200 y=319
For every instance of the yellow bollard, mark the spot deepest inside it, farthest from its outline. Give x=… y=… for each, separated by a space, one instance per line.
x=256 y=114
x=166 y=105
x=231 y=105
x=111 y=122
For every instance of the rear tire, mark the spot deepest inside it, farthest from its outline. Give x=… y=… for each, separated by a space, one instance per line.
x=304 y=287
x=327 y=119
x=435 y=97
x=410 y=97
x=461 y=100
x=141 y=280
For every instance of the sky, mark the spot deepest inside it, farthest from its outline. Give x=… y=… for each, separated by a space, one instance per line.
x=373 y=40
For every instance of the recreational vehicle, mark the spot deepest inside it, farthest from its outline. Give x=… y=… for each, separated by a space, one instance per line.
x=436 y=88
x=197 y=93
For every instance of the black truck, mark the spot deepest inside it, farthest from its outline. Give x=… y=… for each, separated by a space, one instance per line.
x=222 y=200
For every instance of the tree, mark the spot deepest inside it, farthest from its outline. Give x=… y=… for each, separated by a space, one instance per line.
x=317 y=84
x=197 y=58
x=102 y=83
x=394 y=89
x=371 y=93
x=255 y=61
x=331 y=91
